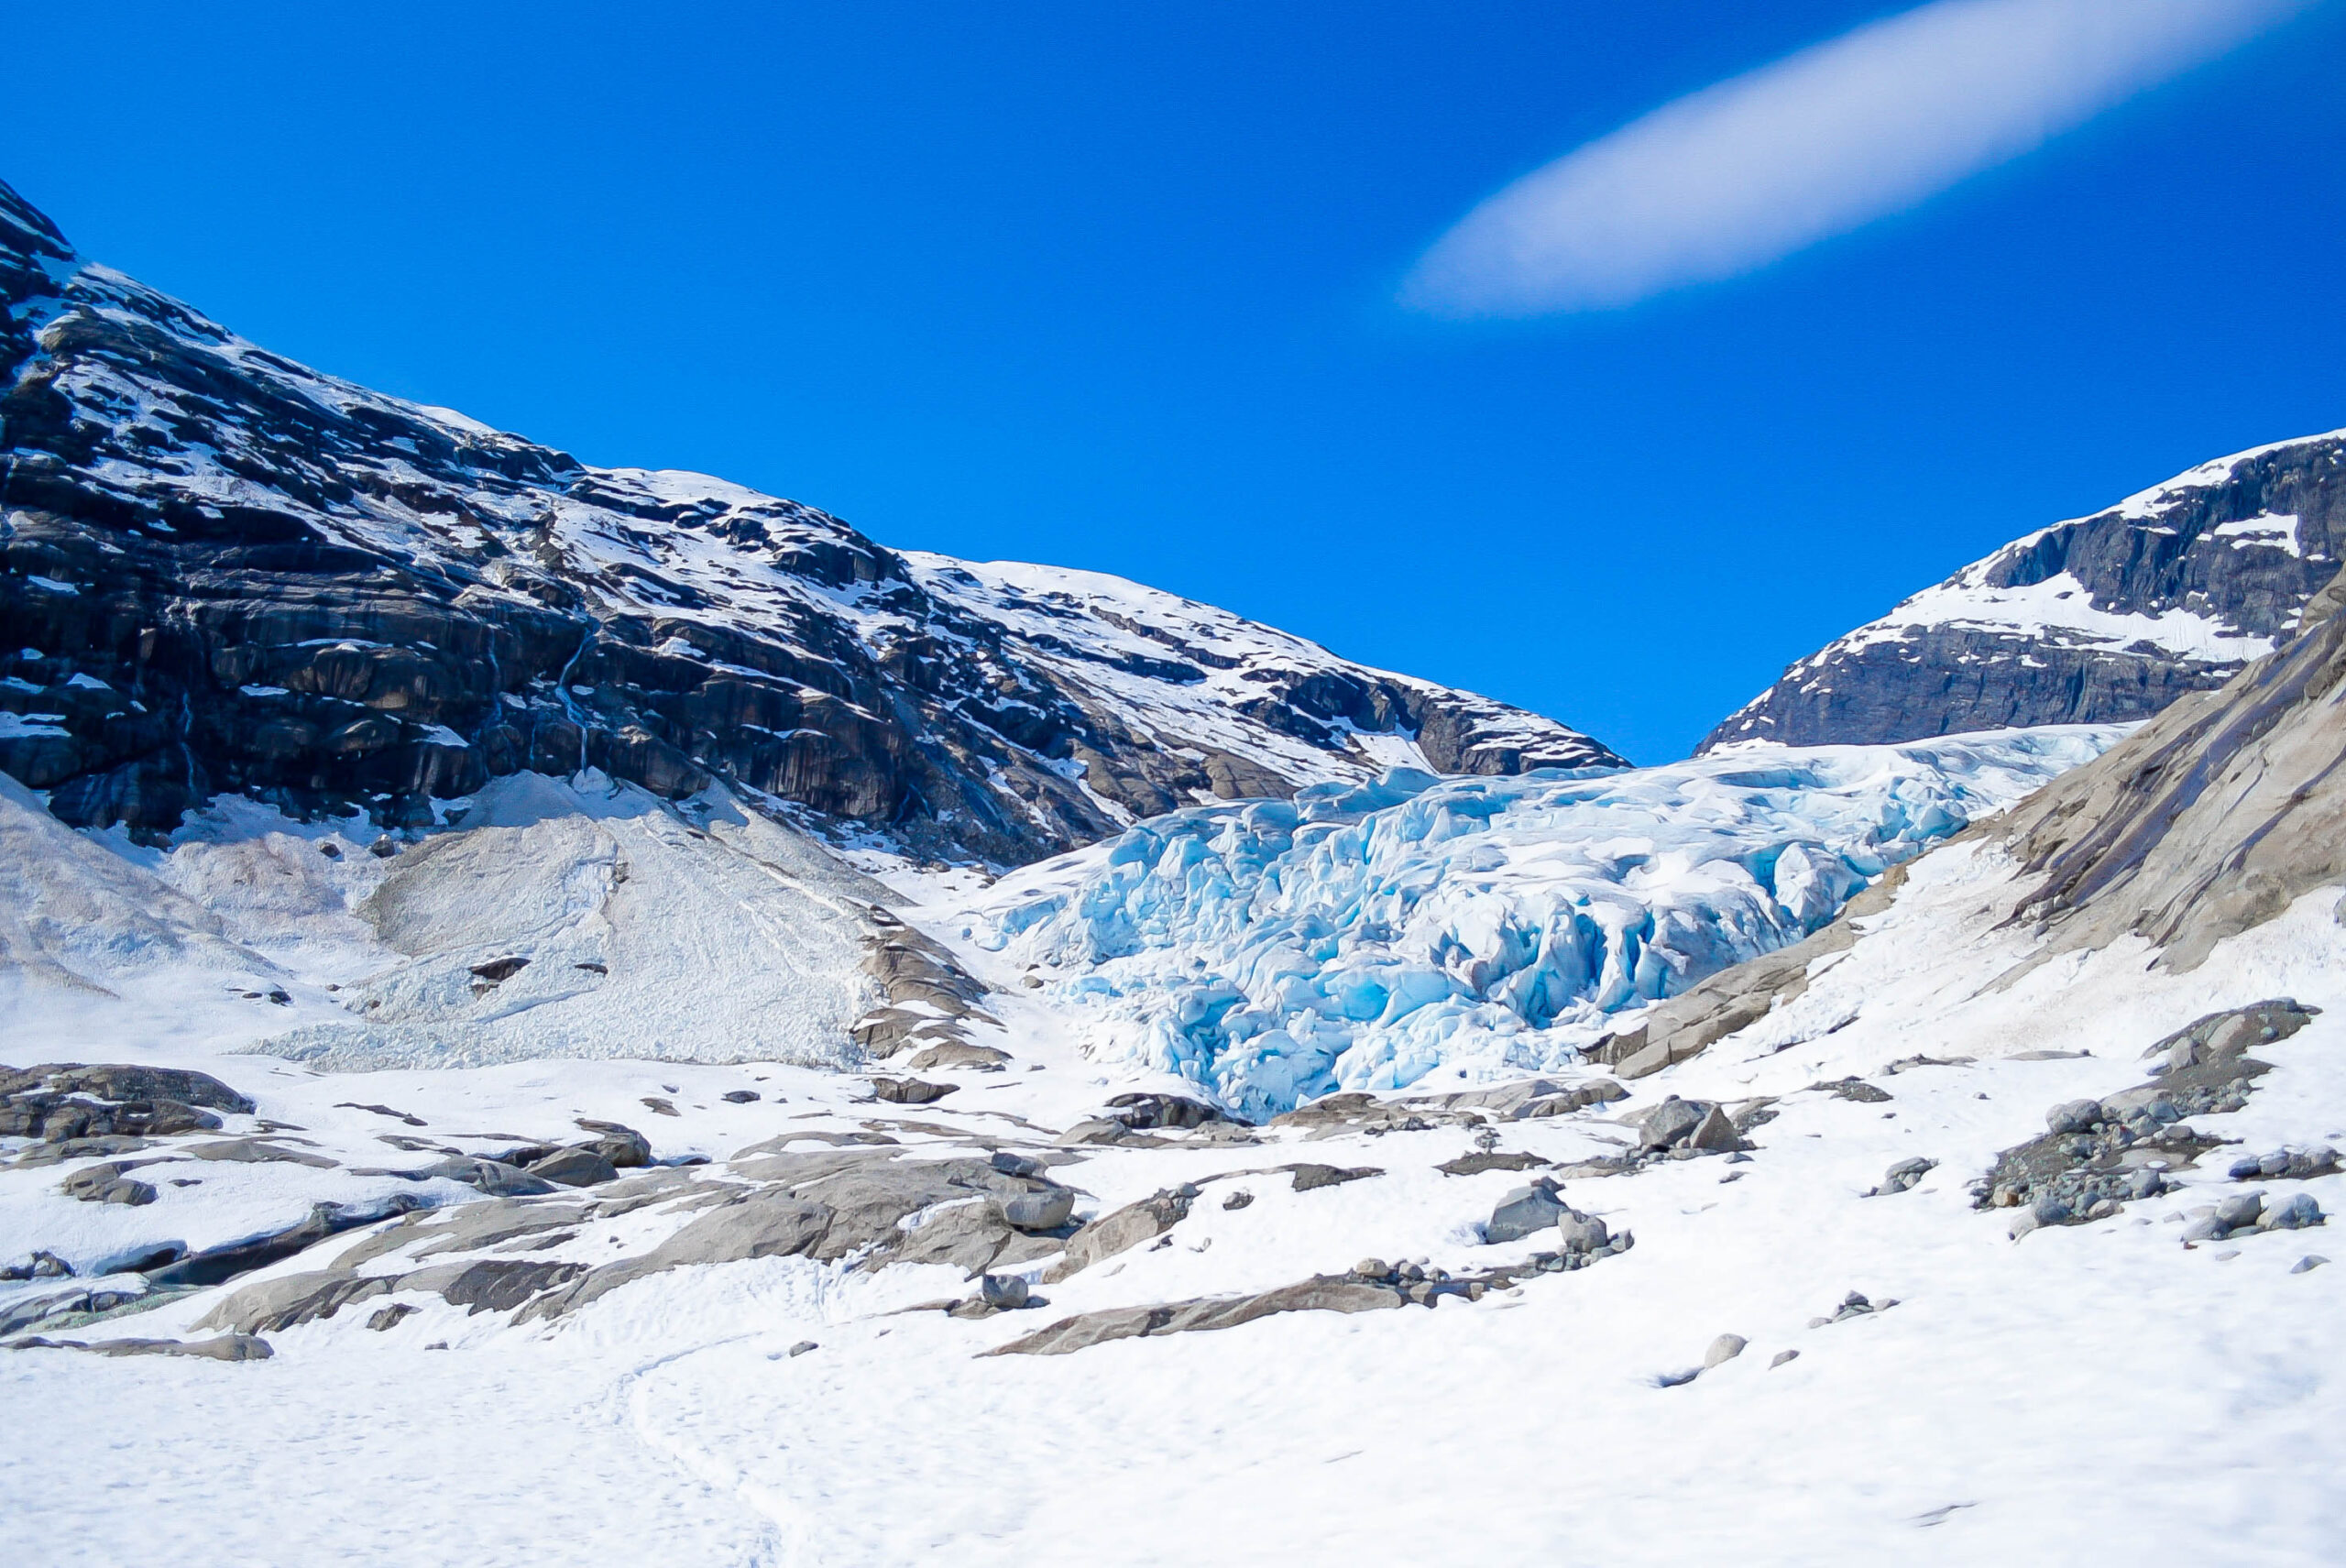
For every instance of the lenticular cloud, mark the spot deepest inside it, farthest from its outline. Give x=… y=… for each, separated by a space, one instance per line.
x=1739 y=175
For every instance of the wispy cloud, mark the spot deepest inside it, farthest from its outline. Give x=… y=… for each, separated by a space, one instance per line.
x=1753 y=169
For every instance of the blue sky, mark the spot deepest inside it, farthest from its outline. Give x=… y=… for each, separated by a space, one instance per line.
x=1117 y=287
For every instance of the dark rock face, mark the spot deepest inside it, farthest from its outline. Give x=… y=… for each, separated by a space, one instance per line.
x=222 y=572
x=2105 y=619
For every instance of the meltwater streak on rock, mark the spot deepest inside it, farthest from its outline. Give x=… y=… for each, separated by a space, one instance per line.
x=2106 y=619
x=226 y=573
x=1359 y=939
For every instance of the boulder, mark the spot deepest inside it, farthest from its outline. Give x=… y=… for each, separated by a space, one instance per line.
x=910 y=1090
x=2073 y=1116
x=1715 y=1133
x=1143 y=1113
x=1524 y=1211
x=1724 y=1349
x=106 y=1184
x=1003 y=1292
x=740 y=1097
x=1010 y=1163
x=624 y=1146
x=1583 y=1232
x=1044 y=1210
x=1662 y=1125
x=579 y=1166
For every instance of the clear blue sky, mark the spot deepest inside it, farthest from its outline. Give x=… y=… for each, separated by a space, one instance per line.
x=1113 y=286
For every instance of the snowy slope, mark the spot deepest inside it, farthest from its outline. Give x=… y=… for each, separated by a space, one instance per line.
x=2103 y=619
x=1361 y=938
x=338 y=598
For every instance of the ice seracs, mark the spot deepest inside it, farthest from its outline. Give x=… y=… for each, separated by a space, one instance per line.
x=1363 y=936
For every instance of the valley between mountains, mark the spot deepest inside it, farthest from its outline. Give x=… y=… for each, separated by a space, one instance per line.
x=556 y=1014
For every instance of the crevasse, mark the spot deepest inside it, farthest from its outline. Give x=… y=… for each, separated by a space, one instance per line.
x=1364 y=937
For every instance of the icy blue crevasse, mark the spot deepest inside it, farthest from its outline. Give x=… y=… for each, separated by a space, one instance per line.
x=1362 y=936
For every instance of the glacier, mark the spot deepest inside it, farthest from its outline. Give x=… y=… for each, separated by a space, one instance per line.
x=1362 y=936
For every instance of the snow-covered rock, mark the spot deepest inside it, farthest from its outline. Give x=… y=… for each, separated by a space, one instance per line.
x=2105 y=619
x=1361 y=937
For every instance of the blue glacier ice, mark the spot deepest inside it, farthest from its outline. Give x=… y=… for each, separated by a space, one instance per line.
x=1362 y=936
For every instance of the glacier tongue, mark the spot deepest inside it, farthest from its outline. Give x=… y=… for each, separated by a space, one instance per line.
x=1362 y=936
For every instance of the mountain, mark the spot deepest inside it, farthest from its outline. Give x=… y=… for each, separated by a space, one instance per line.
x=225 y=572
x=2102 y=619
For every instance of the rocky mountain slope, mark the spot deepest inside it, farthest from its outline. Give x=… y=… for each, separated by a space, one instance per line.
x=2101 y=619
x=224 y=573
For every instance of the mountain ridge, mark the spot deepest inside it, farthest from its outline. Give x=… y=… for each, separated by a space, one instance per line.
x=273 y=582
x=2104 y=619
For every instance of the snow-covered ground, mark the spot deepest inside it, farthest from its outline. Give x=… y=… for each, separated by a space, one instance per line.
x=2088 y=1393
x=1365 y=937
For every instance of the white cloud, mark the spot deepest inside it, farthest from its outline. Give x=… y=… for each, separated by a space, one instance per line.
x=1733 y=177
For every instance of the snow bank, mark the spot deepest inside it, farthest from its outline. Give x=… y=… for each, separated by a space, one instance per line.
x=1362 y=936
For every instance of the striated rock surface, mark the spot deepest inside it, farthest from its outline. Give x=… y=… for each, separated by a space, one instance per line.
x=223 y=572
x=2105 y=619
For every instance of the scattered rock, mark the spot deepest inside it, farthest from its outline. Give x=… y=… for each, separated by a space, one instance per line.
x=1853 y=1305
x=1481 y=1160
x=660 y=1107
x=2286 y=1165
x=1856 y=1089
x=1902 y=1176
